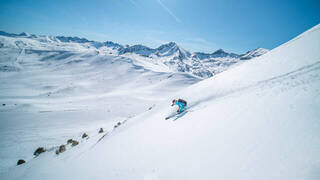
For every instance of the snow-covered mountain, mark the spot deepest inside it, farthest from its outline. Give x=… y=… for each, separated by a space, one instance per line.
x=257 y=120
x=168 y=57
x=200 y=64
x=59 y=87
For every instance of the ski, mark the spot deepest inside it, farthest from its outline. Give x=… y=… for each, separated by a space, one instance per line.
x=177 y=115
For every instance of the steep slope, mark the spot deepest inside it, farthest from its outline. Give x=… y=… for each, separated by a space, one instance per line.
x=259 y=120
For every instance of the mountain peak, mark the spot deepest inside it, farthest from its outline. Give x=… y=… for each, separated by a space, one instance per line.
x=24 y=34
x=172 y=44
x=167 y=45
x=220 y=51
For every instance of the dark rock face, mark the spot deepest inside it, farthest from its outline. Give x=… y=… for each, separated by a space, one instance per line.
x=84 y=135
x=39 y=151
x=20 y=161
x=61 y=149
x=3 y=104
x=101 y=130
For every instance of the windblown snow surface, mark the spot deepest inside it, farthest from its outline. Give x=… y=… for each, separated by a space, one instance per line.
x=259 y=120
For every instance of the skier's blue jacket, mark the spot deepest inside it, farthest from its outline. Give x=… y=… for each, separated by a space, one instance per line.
x=181 y=105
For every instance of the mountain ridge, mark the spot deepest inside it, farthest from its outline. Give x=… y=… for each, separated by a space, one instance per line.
x=169 y=55
x=77 y=39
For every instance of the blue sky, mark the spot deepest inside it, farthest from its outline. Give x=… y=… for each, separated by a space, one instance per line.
x=203 y=25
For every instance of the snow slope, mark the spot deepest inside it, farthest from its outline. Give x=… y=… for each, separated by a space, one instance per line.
x=259 y=120
x=50 y=91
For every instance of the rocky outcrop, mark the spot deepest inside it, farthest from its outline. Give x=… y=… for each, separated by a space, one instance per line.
x=84 y=135
x=101 y=130
x=39 y=151
x=20 y=161
x=61 y=149
x=74 y=143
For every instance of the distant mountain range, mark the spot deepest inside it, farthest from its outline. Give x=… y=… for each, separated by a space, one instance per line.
x=170 y=55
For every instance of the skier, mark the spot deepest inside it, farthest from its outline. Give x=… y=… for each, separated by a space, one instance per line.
x=181 y=103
